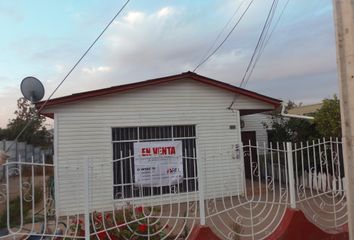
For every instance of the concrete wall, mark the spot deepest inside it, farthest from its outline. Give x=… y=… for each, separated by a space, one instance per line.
x=24 y=151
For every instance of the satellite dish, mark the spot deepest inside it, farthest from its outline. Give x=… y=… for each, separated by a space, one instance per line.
x=32 y=89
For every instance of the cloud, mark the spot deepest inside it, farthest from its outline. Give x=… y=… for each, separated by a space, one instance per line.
x=59 y=67
x=311 y=88
x=225 y=60
x=134 y=17
x=298 y=63
x=156 y=40
x=94 y=70
x=163 y=12
x=8 y=96
x=12 y=13
x=162 y=46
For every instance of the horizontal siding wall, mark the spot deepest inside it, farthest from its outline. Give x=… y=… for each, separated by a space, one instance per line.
x=85 y=133
x=255 y=122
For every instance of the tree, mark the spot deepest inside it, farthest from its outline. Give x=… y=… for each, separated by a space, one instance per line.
x=292 y=129
x=284 y=129
x=326 y=124
x=327 y=118
x=2 y=133
x=35 y=132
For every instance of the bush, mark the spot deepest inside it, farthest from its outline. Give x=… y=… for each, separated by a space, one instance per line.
x=15 y=209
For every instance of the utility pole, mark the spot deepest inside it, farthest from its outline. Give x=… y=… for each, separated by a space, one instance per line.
x=344 y=24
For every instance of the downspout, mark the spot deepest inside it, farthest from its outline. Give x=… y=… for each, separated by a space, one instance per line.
x=293 y=115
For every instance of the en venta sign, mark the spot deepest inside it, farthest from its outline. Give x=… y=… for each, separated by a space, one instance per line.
x=158 y=164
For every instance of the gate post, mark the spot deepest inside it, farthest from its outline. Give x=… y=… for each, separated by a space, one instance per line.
x=241 y=157
x=201 y=181
x=87 y=197
x=291 y=182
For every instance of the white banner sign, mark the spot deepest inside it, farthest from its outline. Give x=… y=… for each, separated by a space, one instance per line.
x=158 y=163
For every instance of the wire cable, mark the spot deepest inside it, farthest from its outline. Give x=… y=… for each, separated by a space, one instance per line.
x=260 y=40
x=227 y=36
x=278 y=20
x=222 y=30
x=80 y=59
x=261 y=43
x=70 y=71
x=265 y=43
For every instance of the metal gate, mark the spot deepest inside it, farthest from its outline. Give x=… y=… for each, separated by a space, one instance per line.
x=307 y=176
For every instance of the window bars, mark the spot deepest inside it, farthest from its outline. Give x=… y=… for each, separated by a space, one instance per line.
x=123 y=140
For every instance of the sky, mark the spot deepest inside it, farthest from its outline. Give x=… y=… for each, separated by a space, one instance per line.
x=158 y=38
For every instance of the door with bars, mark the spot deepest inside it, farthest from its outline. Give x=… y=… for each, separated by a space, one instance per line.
x=123 y=139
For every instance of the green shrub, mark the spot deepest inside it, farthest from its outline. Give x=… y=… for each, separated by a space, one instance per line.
x=15 y=209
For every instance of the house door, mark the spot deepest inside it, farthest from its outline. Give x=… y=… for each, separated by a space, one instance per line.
x=249 y=150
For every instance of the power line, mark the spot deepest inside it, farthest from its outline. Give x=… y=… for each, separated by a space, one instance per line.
x=260 y=40
x=227 y=36
x=85 y=53
x=278 y=20
x=265 y=43
x=263 y=40
x=222 y=30
x=70 y=71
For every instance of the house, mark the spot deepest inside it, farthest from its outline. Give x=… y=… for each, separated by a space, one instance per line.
x=185 y=115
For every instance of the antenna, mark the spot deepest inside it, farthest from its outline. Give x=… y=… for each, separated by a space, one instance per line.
x=32 y=89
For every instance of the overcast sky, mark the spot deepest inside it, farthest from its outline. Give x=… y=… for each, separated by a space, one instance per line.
x=156 y=38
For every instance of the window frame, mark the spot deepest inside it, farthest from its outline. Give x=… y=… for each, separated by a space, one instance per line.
x=123 y=187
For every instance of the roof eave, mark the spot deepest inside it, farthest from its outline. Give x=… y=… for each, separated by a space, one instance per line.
x=127 y=87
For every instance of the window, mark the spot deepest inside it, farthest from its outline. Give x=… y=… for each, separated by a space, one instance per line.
x=123 y=140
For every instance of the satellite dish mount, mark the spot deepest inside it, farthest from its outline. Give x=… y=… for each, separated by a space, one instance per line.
x=32 y=89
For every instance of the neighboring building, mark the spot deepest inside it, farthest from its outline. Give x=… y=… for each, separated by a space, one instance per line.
x=258 y=127
x=105 y=125
x=306 y=110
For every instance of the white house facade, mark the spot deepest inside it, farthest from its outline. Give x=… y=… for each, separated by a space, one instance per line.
x=104 y=125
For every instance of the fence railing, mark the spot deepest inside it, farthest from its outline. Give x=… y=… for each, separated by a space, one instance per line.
x=320 y=182
x=96 y=199
x=27 y=153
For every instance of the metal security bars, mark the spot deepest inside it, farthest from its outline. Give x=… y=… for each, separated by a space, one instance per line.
x=257 y=212
x=123 y=140
x=307 y=176
x=319 y=182
x=27 y=200
x=273 y=177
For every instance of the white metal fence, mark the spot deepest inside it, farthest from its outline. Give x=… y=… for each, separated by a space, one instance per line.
x=27 y=152
x=308 y=176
